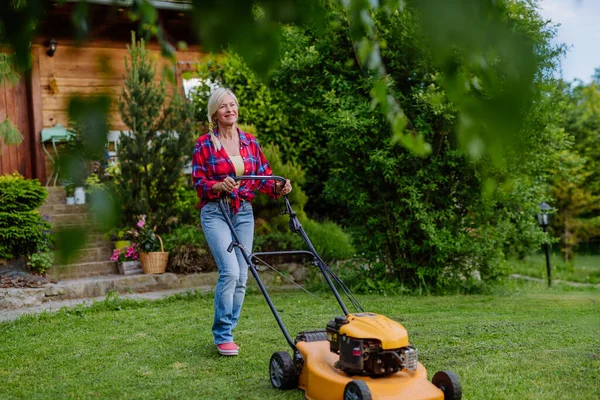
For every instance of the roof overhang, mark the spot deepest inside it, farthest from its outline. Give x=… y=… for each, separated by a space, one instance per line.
x=177 y=5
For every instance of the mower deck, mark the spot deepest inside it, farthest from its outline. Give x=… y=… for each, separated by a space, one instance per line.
x=320 y=380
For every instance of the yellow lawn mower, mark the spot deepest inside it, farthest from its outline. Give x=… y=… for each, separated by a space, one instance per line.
x=358 y=356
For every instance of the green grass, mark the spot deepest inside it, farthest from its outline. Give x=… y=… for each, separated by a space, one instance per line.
x=521 y=342
x=583 y=268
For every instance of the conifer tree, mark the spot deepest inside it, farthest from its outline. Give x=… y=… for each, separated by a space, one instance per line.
x=154 y=151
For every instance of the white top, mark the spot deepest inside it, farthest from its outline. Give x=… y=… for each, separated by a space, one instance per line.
x=238 y=164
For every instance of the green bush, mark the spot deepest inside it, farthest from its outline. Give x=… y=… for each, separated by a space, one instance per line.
x=330 y=241
x=188 y=250
x=21 y=227
x=184 y=235
x=184 y=202
x=40 y=262
x=20 y=194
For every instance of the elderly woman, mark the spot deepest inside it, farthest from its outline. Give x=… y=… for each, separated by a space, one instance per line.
x=220 y=155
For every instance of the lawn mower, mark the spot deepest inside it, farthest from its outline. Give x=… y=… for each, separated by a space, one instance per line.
x=358 y=356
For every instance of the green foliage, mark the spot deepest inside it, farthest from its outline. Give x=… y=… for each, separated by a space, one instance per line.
x=257 y=104
x=154 y=152
x=86 y=149
x=578 y=217
x=19 y=194
x=145 y=236
x=40 y=262
x=432 y=221
x=188 y=250
x=183 y=202
x=22 y=231
x=330 y=241
x=184 y=235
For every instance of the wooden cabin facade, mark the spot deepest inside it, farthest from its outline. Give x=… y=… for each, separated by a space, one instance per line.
x=95 y=66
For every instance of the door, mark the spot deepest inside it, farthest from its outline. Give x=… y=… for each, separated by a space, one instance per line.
x=14 y=104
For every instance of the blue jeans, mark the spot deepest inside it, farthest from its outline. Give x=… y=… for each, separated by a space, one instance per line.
x=233 y=269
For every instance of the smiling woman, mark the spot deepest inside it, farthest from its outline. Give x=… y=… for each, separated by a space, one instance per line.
x=221 y=155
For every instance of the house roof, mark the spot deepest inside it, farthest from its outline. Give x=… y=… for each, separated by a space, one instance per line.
x=179 y=5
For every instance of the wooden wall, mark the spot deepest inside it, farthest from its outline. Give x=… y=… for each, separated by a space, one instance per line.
x=89 y=71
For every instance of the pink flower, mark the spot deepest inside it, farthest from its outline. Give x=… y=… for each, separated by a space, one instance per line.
x=140 y=224
x=115 y=255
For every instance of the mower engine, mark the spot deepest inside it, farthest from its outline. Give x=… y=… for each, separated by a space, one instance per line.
x=371 y=344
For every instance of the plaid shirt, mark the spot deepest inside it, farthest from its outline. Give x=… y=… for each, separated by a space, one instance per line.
x=210 y=166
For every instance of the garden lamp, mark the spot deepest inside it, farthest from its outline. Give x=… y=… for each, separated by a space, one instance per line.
x=543 y=220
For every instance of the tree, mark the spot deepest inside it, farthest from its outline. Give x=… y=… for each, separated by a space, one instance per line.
x=424 y=217
x=577 y=207
x=157 y=146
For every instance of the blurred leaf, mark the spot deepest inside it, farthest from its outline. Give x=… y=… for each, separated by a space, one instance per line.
x=68 y=241
x=9 y=133
x=104 y=208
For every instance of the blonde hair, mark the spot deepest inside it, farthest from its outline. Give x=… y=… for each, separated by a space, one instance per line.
x=216 y=97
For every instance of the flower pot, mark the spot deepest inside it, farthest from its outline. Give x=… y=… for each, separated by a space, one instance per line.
x=120 y=244
x=130 y=267
x=79 y=195
x=70 y=200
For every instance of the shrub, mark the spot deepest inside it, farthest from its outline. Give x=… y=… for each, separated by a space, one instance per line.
x=43 y=257
x=21 y=228
x=330 y=241
x=188 y=250
x=40 y=262
x=20 y=194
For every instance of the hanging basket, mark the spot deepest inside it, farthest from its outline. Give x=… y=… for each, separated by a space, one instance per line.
x=155 y=262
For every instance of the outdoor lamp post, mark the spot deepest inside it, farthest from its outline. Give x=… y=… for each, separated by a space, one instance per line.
x=543 y=219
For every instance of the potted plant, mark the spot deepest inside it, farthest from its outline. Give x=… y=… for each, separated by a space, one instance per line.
x=69 y=187
x=121 y=237
x=152 y=254
x=128 y=260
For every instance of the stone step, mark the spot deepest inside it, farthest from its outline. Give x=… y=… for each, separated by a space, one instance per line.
x=140 y=283
x=81 y=219
x=90 y=287
x=82 y=270
x=60 y=208
x=56 y=195
x=92 y=254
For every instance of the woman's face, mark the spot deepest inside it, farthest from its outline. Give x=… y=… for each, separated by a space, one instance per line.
x=227 y=113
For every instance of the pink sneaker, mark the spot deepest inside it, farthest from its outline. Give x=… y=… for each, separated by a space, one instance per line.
x=228 y=349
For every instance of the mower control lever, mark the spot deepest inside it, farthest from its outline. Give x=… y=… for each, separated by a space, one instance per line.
x=230 y=247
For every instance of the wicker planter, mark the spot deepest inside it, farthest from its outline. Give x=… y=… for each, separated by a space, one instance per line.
x=155 y=262
x=130 y=267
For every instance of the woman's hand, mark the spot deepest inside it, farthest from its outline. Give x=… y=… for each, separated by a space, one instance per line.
x=227 y=185
x=283 y=188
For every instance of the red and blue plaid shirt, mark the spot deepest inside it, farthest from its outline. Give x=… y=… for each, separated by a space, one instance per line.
x=210 y=166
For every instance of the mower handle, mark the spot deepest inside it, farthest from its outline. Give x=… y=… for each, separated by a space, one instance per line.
x=259 y=178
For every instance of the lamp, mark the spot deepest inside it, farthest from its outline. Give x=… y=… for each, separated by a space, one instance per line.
x=543 y=220
x=52 y=44
x=543 y=215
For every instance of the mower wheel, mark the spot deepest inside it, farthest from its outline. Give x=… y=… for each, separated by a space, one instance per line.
x=357 y=390
x=283 y=371
x=448 y=383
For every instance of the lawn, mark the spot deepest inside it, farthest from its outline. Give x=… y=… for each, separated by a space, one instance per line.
x=521 y=342
x=583 y=268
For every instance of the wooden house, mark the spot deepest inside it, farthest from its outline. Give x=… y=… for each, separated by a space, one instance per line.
x=94 y=66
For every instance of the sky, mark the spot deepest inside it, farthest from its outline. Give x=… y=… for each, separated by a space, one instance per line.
x=580 y=29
